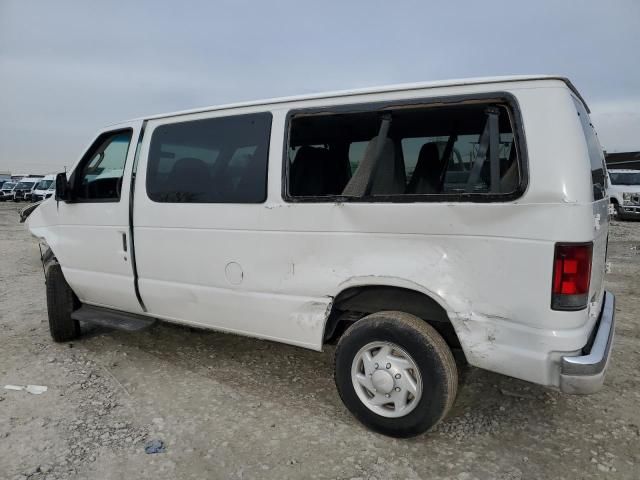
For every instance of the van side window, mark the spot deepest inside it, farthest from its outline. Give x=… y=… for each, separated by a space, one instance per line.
x=215 y=160
x=420 y=152
x=596 y=155
x=99 y=177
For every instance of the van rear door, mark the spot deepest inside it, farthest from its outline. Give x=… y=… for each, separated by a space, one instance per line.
x=600 y=205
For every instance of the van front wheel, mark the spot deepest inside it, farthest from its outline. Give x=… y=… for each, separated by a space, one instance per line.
x=61 y=301
x=395 y=373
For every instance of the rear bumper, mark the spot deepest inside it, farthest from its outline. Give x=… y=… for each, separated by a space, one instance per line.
x=585 y=374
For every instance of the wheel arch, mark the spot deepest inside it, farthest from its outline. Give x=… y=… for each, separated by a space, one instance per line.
x=355 y=301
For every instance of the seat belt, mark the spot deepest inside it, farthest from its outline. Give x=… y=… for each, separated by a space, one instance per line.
x=382 y=136
x=488 y=143
x=446 y=157
x=361 y=182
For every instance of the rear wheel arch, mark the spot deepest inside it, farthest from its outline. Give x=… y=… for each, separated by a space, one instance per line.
x=355 y=302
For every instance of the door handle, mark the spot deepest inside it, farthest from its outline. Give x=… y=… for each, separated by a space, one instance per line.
x=124 y=242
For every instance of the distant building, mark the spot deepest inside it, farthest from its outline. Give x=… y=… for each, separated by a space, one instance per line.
x=623 y=160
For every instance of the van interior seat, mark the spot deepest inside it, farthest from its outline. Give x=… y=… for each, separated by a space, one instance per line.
x=386 y=175
x=313 y=172
x=252 y=185
x=426 y=175
x=190 y=174
x=509 y=171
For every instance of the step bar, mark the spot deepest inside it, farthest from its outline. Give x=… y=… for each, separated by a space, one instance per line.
x=107 y=317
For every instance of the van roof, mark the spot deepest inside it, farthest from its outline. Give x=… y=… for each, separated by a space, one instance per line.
x=369 y=90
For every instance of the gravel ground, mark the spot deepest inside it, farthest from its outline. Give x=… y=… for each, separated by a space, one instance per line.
x=232 y=407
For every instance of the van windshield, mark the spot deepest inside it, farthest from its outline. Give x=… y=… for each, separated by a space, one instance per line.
x=8 y=186
x=22 y=185
x=625 y=178
x=44 y=184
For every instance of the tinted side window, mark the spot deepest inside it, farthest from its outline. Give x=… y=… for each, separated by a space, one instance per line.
x=596 y=155
x=216 y=160
x=463 y=149
x=99 y=176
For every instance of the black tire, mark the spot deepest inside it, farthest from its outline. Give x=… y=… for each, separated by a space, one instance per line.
x=61 y=301
x=616 y=207
x=619 y=213
x=428 y=350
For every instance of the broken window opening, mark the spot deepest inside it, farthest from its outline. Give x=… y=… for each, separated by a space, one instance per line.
x=414 y=151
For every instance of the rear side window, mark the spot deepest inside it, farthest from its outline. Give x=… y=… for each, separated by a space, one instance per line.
x=216 y=160
x=596 y=155
x=412 y=152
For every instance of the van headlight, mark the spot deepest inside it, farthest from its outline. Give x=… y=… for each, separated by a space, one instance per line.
x=628 y=197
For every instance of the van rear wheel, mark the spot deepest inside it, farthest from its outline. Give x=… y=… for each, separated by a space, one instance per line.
x=61 y=301
x=395 y=373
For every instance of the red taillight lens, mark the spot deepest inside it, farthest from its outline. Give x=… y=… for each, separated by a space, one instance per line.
x=571 y=275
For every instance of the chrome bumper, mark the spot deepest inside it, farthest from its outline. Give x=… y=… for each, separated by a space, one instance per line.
x=628 y=209
x=585 y=374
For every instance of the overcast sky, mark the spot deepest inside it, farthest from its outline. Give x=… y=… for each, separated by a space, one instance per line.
x=68 y=68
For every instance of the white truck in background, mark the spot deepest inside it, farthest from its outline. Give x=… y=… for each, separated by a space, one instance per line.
x=624 y=192
x=42 y=189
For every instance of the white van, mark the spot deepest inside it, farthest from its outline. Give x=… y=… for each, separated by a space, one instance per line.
x=401 y=222
x=24 y=188
x=42 y=188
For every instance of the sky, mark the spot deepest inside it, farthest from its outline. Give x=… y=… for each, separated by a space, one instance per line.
x=68 y=68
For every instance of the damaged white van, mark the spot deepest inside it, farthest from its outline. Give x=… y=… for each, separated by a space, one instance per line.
x=401 y=222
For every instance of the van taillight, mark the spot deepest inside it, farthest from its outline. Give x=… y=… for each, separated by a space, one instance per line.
x=571 y=275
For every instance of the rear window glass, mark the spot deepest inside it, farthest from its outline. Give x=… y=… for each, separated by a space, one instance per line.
x=596 y=155
x=216 y=160
x=410 y=150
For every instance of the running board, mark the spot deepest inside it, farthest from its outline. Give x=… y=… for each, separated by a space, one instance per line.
x=112 y=318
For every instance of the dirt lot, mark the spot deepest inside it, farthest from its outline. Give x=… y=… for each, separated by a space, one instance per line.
x=231 y=407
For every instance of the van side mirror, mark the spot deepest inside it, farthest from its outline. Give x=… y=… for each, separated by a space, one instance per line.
x=63 y=192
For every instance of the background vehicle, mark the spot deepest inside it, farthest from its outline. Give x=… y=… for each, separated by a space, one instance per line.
x=6 y=192
x=50 y=191
x=624 y=192
x=24 y=188
x=401 y=222
x=40 y=191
